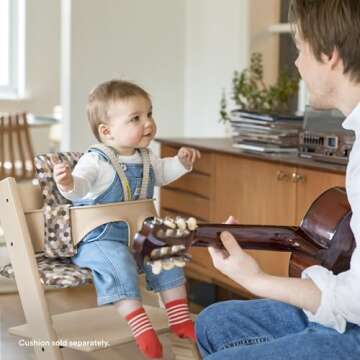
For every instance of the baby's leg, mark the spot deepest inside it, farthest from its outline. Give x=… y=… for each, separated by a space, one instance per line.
x=116 y=280
x=146 y=338
x=126 y=306
x=171 y=286
x=177 y=309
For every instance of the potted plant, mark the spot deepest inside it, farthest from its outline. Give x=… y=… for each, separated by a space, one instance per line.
x=250 y=94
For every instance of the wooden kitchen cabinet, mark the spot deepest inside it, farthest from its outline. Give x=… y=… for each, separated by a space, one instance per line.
x=193 y=193
x=255 y=192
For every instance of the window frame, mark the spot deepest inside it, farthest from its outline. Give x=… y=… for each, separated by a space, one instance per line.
x=15 y=88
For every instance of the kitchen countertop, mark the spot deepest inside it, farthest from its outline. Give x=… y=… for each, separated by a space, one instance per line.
x=224 y=145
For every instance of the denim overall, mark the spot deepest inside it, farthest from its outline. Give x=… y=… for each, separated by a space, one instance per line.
x=105 y=250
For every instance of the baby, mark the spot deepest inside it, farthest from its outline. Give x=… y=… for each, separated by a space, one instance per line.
x=120 y=115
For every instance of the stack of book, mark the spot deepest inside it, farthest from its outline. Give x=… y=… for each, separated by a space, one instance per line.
x=265 y=133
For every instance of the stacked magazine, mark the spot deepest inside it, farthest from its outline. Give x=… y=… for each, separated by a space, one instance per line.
x=265 y=133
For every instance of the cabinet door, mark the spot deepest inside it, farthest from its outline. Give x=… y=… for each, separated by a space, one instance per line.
x=254 y=191
x=310 y=184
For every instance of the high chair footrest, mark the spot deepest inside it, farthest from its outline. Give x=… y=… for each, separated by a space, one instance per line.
x=94 y=329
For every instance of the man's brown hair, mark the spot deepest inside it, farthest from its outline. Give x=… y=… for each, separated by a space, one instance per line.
x=328 y=25
x=104 y=95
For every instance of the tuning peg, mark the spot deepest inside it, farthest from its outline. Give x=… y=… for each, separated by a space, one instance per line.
x=155 y=253
x=175 y=249
x=160 y=252
x=156 y=267
x=180 y=222
x=191 y=223
x=170 y=222
x=179 y=262
x=167 y=264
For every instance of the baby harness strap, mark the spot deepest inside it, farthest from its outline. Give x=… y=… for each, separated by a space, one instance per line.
x=111 y=154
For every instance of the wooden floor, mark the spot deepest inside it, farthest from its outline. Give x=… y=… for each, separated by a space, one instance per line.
x=11 y=314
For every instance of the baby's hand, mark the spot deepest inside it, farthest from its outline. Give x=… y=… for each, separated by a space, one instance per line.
x=62 y=174
x=188 y=156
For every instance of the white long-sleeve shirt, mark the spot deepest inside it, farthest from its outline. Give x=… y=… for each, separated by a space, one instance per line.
x=92 y=175
x=340 y=294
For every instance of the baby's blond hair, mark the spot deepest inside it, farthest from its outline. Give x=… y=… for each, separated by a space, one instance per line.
x=104 y=95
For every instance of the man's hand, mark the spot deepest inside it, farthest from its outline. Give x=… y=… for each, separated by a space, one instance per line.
x=62 y=174
x=244 y=270
x=235 y=263
x=188 y=156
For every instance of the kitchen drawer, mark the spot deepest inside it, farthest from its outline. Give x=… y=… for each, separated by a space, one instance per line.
x=195 y=183
x=185 y=203
x=203 y=165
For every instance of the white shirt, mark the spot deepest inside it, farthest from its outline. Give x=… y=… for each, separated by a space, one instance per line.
x=340 y=294
x=92 y=175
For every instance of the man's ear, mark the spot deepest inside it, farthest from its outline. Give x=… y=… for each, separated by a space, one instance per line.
x=104 y=131
x=334 y=59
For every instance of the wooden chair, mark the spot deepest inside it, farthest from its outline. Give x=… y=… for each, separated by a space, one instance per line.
x=16 y=151
x=22 y=220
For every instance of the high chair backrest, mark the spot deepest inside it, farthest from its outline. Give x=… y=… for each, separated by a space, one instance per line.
x=16 y=151
x=83 y=219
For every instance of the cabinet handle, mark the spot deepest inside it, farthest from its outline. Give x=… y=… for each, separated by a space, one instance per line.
x=282 y=176
x=295 y=177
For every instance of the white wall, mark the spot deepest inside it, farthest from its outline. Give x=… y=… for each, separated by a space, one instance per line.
x=141 y=41
x=217 y=34
x=42 y=64
x=183 y=52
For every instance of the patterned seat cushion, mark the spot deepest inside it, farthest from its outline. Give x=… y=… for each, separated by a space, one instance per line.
x=57 y=235
x=56 y=273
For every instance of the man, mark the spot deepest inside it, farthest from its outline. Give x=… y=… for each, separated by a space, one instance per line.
x=318 y=316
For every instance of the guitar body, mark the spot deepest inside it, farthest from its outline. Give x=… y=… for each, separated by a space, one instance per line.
x=324 y=236
x=327 y=224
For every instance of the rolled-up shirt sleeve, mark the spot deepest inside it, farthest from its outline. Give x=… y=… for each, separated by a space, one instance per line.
x=167 y=169
x=85 y=174
x=340 y=294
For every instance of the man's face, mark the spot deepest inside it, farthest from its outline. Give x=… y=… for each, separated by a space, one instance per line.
x=317 y=75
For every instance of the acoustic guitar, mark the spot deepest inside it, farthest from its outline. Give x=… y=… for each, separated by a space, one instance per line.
x=324 y=237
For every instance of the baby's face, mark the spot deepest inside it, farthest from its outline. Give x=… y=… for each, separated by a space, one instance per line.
x=131 y=124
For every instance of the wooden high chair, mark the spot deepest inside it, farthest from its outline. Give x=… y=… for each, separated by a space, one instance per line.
x=16 y=151
x=21 y=217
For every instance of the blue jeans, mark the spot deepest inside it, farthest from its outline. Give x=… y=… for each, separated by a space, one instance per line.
x=269 y=330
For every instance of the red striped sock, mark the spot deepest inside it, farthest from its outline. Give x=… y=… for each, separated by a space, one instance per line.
x=179 y=319
x=145 y=336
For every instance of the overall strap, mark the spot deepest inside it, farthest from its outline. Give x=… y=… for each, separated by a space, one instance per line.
x=145 y=157
x=111 y=154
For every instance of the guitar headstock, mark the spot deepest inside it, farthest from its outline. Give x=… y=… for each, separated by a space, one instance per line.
x=163 y=242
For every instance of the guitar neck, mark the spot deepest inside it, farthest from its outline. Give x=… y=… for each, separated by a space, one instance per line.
x=254 y=237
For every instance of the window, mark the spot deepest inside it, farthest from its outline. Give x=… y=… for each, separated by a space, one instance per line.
x=12 y=47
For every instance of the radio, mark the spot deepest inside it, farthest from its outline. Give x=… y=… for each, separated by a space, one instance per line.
x=323 y=138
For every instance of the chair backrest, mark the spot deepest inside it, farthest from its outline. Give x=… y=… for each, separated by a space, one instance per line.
x=16 y=151
x=83 y=218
